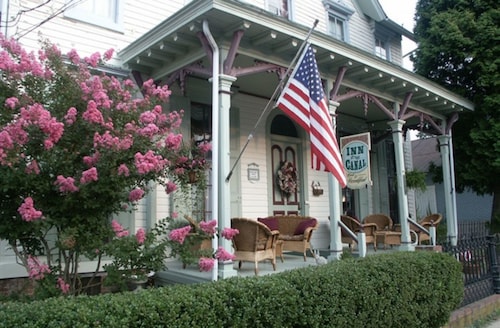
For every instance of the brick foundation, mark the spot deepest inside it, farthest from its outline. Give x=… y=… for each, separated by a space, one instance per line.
x=17 y=286
x=466 y=316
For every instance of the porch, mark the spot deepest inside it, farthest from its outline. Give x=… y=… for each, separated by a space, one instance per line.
x=175 y=274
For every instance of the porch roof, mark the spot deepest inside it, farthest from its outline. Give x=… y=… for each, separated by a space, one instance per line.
x=268 y=38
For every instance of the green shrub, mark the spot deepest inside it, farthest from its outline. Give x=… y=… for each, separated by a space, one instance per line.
x=404 y=289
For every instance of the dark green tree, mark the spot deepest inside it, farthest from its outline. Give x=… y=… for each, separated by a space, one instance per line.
x=459 y=48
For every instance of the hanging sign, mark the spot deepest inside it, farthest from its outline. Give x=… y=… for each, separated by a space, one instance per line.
x=356 y=159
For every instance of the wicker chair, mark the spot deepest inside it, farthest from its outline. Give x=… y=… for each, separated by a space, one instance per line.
x=355 y=226
x=427 y=222
x=254 y=243
x=382 y=221
x=384 y=227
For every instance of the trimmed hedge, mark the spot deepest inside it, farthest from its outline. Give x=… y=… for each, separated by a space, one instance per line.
x=403 y=289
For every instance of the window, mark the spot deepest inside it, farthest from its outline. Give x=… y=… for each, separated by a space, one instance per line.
x=336 y=27
x=104 y=13
x=383 y=39
x=279 y=7
x=381 y=48
x=338 y=17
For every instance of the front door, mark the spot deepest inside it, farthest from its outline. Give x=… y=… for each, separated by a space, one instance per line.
x=285 y=178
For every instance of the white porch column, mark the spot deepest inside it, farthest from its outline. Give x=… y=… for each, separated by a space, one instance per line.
x=335 y=202
x=397 y=137
x=449 y=189
x=226 y=269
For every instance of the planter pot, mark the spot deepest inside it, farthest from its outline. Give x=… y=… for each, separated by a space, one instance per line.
x=193 y=178
x=136 y=286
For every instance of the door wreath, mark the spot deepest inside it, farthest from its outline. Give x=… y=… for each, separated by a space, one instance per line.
x=286 y=178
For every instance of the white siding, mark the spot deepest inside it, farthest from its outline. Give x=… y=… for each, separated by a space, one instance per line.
x=138 y=18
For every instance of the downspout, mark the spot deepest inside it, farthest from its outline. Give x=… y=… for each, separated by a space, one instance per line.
x=215 y=137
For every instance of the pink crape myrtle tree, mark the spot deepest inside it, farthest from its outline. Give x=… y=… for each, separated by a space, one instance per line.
x=76 y=147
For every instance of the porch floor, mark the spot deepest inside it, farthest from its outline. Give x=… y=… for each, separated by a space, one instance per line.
x=175 y=274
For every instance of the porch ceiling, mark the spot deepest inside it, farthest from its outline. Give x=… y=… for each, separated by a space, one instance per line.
x=267 y=38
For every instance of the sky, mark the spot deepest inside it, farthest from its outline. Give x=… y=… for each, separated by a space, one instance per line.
x=402 y=12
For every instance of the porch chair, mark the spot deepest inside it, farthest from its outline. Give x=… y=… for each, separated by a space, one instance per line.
x=255 y=242
x=355 y=226
x=382 y=221
x=384 y=228
x=427 y=222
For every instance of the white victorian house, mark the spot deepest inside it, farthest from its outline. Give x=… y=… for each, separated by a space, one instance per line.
x=223 y=60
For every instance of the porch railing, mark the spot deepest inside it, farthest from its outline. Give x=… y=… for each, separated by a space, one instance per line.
x=360 y=238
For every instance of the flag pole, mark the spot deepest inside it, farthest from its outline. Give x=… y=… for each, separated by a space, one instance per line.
x=271 y=99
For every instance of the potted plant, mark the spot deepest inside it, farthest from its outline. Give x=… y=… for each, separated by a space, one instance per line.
x=134 y=258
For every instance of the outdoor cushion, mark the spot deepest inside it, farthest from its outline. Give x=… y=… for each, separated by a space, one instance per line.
x=289 y=237
x=302 y=226
x=271 y=223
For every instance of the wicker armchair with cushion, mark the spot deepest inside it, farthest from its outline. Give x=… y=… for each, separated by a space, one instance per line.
x=295 y=231
x=355 y=226
x=255 y=242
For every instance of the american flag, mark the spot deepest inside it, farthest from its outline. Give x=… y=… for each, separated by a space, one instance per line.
x=304 y=101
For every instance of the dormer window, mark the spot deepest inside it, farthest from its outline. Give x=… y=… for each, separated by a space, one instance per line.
x=338 y=16
x=381 y=48
x=383 y=39
x=279 y=7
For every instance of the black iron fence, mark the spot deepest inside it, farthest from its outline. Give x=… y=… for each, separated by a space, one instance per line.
x=477 y=250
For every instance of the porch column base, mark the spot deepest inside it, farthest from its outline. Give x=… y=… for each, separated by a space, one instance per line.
x=335 y=255
x=226 y=270
x=407 y=247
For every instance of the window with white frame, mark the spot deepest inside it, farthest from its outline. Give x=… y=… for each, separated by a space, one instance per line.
x=383 y=37
x=336 y=27
x=338 y=17
x=381 y=48
x=103 y=13
x=279 y=7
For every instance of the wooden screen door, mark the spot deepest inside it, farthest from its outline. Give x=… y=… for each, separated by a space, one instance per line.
x=284 y=204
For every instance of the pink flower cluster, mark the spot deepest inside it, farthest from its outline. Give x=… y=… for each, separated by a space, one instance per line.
x=222 y=255
x=123 y=170
x=140 y=236
x=108 y=141
x=89 y=175
x=66 y=184
x=179 y=234
x=209 y=227
x=173 y=141
x=135 y=194
x=149 y=162
x=37 y=270
x=205 y=147
x=63 y=286
x=92 y=114
x=206 y=263
x=118 y=229
x=170 y=187
x=229 y=233
x=28 y=211
x=150 y=89
x=32 y=167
